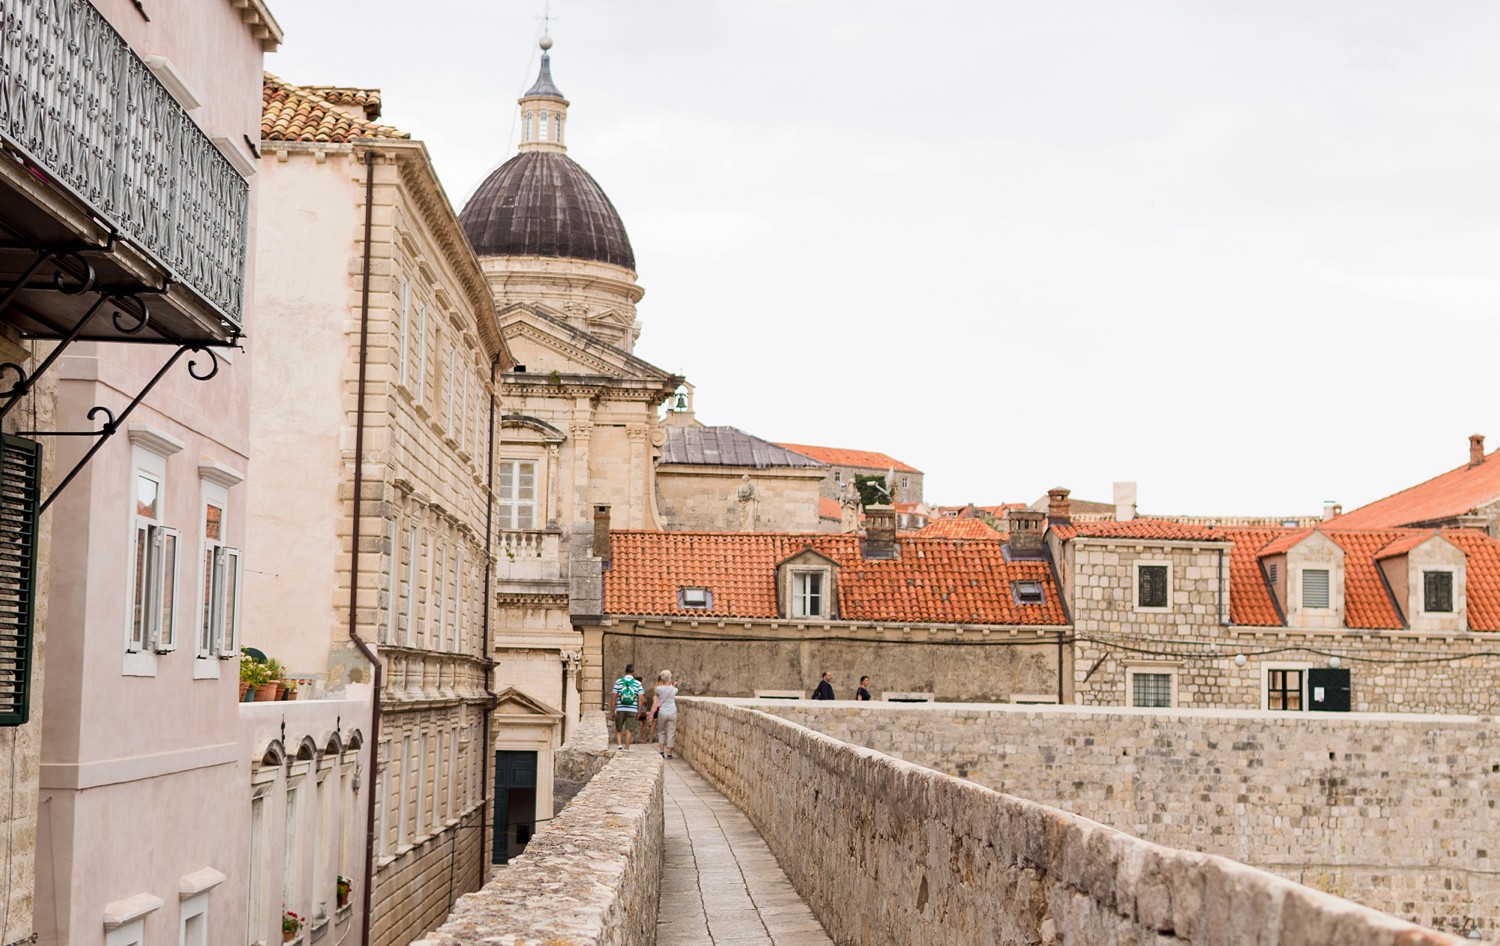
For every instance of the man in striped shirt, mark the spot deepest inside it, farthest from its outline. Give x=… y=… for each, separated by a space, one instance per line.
x=627 y=700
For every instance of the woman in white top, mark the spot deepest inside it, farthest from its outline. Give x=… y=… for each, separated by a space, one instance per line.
x=664 y=713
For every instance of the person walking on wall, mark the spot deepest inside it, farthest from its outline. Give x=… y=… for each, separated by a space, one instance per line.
x=627 y=703
x=825 y=687
x=862 y=694
x=664 y=714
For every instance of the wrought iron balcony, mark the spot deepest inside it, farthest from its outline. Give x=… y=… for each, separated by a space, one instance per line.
x=107 y=181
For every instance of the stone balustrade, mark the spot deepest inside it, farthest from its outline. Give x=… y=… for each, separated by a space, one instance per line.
x=589 y=877
x=886 y=851
x=528 y=556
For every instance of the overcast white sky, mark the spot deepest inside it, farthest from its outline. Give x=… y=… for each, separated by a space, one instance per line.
x=1243 y=253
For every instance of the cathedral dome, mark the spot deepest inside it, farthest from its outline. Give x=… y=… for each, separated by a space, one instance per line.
x=541 y=203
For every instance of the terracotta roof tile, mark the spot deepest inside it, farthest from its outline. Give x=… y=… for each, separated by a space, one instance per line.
x=1250 y=601
x=1283 y=543
x=941 y=581
x=1159 y=529
x=958 y=529
x=293 y=113
x=1483 y=572
x=830 y=508
x=836 y=456
x=1405 y=544
x=1447 y=496
x=368 y=99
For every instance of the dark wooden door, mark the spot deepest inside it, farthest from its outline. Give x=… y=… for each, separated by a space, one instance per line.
x=513 y=771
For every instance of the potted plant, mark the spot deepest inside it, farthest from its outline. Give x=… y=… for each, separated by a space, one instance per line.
x=262 y=684
x=290 y=924
x=275 y=671
x=247 y=676
x=341 y=888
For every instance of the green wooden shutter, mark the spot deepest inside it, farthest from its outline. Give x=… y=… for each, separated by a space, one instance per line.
x=20 y=493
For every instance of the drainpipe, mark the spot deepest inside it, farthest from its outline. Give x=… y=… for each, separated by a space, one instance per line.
x=359 y=465
x=489 y=664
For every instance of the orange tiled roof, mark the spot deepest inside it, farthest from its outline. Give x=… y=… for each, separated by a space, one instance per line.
x=941 y=581
x=1483 y=571
x=1159 y=529
x=836 y=456
x=1284 y=542
x=368 y=99
x=958 y=529
x=294 y=113
x=1405 y=544
x=830 y=508
x=1452 y=494
x=1250 y=600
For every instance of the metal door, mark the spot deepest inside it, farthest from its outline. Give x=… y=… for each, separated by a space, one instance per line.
x=1328 y=690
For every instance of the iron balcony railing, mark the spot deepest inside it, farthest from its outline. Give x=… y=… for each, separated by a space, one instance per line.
x=85 y=110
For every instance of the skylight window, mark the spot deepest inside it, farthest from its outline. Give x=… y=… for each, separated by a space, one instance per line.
x=1027 y=592
x=698 y=598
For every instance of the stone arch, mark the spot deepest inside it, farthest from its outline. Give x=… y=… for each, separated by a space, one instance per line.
x=307 y=749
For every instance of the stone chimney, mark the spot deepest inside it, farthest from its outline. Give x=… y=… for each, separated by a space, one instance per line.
x=1058 y=507
x=1331 y=510
x=880 y=533
x=1025 y=528
x=1476 y=450
x=1124 y=502
x=601 y=533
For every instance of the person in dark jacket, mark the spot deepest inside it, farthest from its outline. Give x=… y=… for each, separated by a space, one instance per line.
x=825 y=687
x=862 y=694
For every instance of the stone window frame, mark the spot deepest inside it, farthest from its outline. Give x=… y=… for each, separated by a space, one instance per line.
x=1135 y=584
x=1132 y=670
x=806 y=561
x=1265 y=682
x=1452 y=608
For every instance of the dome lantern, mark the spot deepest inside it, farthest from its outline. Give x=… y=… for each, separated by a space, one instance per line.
x=544 y=111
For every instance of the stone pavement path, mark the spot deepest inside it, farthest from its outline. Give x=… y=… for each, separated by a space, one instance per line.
x=720 y=885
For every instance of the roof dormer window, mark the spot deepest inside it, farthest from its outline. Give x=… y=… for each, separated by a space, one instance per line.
x=1437 y=592
x=809 y=595
x=1315 y=588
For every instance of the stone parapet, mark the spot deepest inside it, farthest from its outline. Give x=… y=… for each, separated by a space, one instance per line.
x=589 y=877
x=583 y=756
x=887 y=851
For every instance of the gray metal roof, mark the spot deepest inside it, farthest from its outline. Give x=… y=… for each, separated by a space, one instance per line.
x=727 y=446
x=544 y=84
x=540 y=203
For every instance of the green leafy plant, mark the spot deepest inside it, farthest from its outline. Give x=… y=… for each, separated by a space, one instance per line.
x=275 y=668
x=291 y=922
x=254 y=672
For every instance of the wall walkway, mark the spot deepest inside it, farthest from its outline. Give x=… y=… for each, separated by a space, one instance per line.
x=886 y=851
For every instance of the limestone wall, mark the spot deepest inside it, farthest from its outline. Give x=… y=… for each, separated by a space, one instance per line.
x=589 y=877
x=736 y=660
x=582 y=757
x=1392 y=811
x=704 y=498
x=885 y=851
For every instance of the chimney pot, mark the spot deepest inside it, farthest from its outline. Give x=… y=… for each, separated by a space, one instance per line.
x=1025 y=528
x=1476 y=450
x=880 y=533
x=1331 y=510
x=1124 y=502
x=1058 y=507
x=601 y=532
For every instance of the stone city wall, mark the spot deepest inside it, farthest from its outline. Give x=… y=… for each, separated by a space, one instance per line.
x=886 y=851
x=589 y=877
x=583 y=756
x=736 y=660
x=1393 y=811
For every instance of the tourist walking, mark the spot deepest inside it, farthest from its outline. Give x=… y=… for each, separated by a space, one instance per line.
x=627 y=704
x=664 y=714
x=862 y=694
x=825 y=687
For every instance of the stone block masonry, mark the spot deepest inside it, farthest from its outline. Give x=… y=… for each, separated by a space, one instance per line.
x=885 y=851
x=1396 y=812
x=589 y=877
x=587 y=751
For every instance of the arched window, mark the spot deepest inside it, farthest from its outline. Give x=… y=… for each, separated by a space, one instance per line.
x=542 y=131
x=526 y=129
x=557 y=128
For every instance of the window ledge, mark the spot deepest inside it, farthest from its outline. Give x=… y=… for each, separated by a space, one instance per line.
x=138 y=663
x=343 y=913
x=205 y=668
x=319 y=928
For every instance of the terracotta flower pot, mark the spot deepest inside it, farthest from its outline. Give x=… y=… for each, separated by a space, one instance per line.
x=265 y=693
x=244 y=688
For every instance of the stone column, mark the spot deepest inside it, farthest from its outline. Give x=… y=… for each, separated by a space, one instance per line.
x=639 y=471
